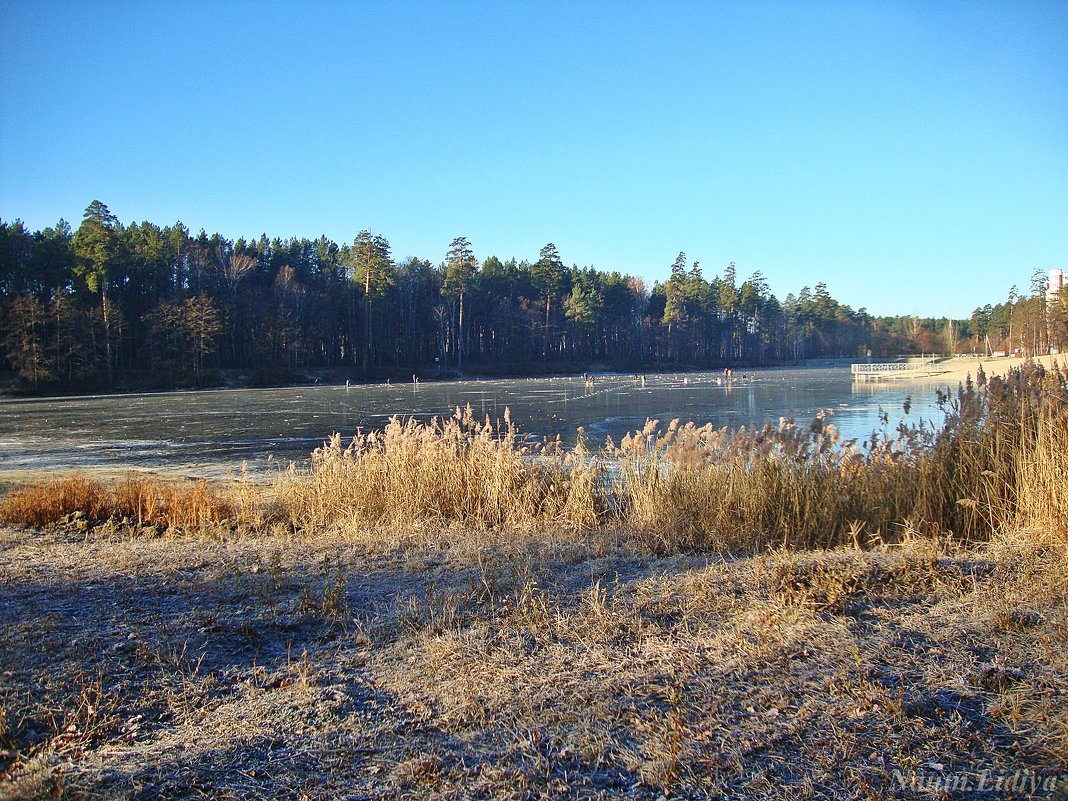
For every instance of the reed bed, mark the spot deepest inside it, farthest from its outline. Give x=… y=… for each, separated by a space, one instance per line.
x=996 y=465
x=48 y=502
x=134 y=501
x=454 y=471
x=700 y=488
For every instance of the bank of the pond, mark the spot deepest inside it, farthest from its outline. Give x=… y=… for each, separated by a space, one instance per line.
x=215 y=433
x=997 y=464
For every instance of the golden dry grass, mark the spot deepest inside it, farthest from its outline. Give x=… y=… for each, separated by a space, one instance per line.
x=44 y=503
x=454 y=471
x=153 y=503
x=136 y=500
x=997 y=465
x=699 y=488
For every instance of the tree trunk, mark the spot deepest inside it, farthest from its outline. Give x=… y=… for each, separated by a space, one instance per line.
x=107 y=329
x=460 y=343
x=367 y=322
x=548 y=305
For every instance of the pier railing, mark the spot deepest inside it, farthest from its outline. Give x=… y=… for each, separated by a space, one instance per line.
x=890 y=369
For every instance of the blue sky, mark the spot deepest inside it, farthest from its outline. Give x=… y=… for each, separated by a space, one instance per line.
x=913 y=156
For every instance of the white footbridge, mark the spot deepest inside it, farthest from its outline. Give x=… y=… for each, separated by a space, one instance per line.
x=891 y=371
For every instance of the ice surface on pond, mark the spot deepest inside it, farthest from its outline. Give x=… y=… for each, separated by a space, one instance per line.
x=211 y=433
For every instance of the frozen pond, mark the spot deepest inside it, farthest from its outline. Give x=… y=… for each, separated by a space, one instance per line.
x=212 y=433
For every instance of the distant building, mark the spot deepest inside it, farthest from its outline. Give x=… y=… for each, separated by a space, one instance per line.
x=1057 y=280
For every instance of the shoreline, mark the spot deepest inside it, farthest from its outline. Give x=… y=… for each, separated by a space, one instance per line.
x=960 y=369
x=953 y=372
x=337 y=378
x=956 y=369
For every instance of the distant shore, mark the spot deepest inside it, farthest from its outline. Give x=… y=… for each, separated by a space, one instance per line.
x=952 y=370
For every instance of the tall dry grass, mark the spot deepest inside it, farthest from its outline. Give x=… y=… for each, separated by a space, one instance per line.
x=48 y=502
x=998 y=464
x=454 y=471
x=138 y=500
x=691 y=487
x=172 y=505
x=1042 y=478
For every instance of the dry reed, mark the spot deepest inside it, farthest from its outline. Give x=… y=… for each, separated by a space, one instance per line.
x=171 y=505
x=450 y=471
x=996 y=465
x=136 y=500
x=44 y=503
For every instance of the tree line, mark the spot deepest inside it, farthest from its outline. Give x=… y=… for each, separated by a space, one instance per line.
x=111 y=304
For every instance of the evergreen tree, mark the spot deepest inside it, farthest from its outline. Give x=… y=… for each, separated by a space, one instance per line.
x=460 y=268
x=96 y=251
x=548 y=274
x=582 y=309
x=373 y=269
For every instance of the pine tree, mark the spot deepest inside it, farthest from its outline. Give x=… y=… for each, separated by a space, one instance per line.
x=460 y=268
x=549 y=274
x=96 y=245
x=372 y=267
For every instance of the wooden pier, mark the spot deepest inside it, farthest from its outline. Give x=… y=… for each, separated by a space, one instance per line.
x=892 y=371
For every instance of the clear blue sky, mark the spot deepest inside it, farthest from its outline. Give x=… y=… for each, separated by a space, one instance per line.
x=913 y=156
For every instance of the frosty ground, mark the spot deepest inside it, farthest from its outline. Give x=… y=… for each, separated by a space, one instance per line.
x=526 y=666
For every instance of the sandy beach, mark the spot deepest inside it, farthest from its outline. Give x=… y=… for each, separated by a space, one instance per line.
x=954 y=371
